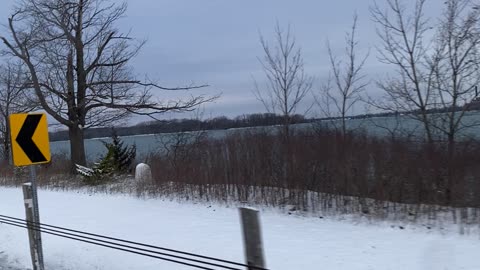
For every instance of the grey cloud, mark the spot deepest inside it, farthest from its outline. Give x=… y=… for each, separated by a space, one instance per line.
x=217 y=41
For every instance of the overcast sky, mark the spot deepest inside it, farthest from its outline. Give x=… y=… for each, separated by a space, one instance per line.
x=217 y=41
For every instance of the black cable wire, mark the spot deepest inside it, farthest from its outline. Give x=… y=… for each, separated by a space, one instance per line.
x=121 y=245
x=141 y=244
x=39 y=225
x=113 y=247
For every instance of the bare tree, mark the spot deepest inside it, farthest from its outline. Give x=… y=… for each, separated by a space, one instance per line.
x=457 y=71
x=348 y=80
x=456 y=76
x=78 y=65
x=287 y=84
x=13 y=99
x=404 y=45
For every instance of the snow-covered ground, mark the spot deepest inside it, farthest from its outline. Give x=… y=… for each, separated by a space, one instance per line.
x=291 y=241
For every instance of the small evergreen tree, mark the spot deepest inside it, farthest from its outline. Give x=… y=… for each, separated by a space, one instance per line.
x=118 y=160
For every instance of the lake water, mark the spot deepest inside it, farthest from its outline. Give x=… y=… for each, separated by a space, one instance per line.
x=145 y=144
x=378 y=126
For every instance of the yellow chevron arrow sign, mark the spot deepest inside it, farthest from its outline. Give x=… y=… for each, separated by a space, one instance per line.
x=29 y=137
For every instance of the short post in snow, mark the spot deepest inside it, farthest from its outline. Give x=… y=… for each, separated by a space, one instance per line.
x=34 y=235
x=252 y=238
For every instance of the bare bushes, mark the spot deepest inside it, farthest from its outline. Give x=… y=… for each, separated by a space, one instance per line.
x=320 y=168
x=54 y=174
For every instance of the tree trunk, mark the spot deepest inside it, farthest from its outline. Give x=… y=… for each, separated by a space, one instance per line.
x=6 y=150
x=426 y=125
x=6 y=142
x=77 y=146
x=450 y=185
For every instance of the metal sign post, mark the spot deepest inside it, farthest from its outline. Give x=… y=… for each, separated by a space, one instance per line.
x=33 y=233
x=252 y=238
x=30 y=146
x=36 y=214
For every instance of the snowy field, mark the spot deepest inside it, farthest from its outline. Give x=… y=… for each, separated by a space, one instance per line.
x=291 y=241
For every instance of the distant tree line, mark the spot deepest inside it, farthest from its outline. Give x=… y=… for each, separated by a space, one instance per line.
x=469 y=107
x=182 y=125
x=222 y=122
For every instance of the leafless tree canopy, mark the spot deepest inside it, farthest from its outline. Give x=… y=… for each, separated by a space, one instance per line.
x=13 y=99
x=436 y=63
x=404 y=44
x=456 y=73
x=348 y=80
x=287 y=84
x=79 y=64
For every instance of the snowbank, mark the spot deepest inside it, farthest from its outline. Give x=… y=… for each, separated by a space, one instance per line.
x=291 y=242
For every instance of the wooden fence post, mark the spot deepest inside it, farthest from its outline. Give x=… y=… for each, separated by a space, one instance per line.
x=33 y=233
x=252 y=238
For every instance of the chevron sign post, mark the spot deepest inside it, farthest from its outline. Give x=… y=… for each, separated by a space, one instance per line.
x=30 y=146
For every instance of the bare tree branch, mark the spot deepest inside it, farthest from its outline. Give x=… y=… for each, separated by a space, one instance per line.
x=287 y=84
x=405 y=47
x=348 y=80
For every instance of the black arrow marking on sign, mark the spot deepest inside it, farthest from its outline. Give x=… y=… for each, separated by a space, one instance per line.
x=24 y=138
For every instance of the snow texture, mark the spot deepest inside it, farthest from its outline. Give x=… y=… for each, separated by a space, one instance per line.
x=85 y=171
x=291 y=242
